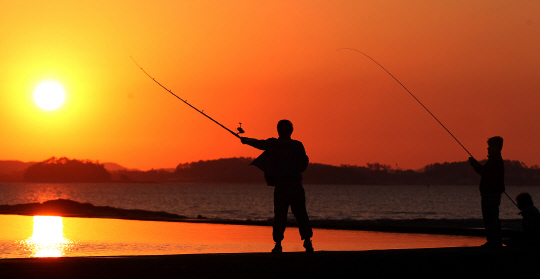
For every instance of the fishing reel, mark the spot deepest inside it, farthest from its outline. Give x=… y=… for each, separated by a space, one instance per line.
x=239 y=129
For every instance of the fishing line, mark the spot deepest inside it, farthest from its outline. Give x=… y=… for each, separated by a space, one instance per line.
x=512 y=201
x=411 y=95
x=240 y=130
x=422 y=106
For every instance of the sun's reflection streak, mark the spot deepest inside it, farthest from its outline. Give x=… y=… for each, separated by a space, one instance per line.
x=47 y=238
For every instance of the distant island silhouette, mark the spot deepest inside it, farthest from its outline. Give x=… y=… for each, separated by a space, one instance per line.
x=237 y=170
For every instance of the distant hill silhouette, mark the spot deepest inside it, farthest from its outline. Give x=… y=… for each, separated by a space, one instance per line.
x=113 y=166
x=10 y=166
x=237 y=170
x=230 y=170
x=66 y=170
x=11 y=170
x=516 y=173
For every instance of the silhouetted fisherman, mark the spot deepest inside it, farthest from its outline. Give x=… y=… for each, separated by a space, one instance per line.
x=283 y=162
x=491 y=189
x=530 y=236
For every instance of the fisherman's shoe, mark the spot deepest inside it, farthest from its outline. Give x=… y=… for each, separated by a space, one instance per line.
x=491 y=245
x=308 y=246
x=277 y=248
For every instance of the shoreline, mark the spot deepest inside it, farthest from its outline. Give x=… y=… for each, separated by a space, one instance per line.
x=69 y=208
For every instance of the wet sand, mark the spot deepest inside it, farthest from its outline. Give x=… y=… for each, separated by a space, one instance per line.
x=42 y=236
x=413 y=263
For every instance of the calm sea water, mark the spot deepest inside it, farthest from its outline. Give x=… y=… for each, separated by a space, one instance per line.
x=240 y=202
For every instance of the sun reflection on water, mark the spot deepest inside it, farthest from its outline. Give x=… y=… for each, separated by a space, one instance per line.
x=47 y=238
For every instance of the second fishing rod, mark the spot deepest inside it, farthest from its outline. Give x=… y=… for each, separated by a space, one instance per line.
x=352 y=49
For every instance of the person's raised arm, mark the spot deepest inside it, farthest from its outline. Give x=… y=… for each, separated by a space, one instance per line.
x=259 y=144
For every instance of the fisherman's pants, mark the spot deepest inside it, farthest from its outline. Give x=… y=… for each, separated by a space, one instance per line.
x=490 y=215
x=295 y=197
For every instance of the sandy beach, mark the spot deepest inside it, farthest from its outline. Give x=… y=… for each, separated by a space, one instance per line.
x=414 y=263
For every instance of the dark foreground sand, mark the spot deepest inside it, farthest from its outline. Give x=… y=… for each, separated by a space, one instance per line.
x=420 y=263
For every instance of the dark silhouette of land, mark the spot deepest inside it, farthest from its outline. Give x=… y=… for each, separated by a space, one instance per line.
x=237 y=170
x=66 y=170
x=69 y=208
x=11 y=170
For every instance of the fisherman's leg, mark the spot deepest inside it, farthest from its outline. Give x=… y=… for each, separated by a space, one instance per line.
x=298 y=208
x=281 y=208
x=490 y=215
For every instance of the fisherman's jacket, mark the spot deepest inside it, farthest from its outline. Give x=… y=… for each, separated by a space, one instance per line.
x=282 y=161
x=492 y=175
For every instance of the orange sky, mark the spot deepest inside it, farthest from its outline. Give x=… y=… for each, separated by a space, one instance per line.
x=474 y=64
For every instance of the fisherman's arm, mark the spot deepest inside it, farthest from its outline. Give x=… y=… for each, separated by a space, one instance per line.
x=476 y=165
x=259 y=144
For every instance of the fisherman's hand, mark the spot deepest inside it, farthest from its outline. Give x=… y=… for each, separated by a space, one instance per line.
x=472 y=160
x=244 y=140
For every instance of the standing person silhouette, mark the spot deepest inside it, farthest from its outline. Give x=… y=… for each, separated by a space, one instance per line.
x=491 y=189
x=283 y=162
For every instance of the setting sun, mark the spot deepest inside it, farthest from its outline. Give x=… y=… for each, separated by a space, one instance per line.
x=49 y=95
x=257 y=62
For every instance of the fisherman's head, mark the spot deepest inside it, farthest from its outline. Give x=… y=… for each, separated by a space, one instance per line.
x=495 y=145
x=284 y=128
x=524 y=200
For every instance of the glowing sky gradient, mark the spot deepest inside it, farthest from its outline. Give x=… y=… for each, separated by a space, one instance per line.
x=474 y=64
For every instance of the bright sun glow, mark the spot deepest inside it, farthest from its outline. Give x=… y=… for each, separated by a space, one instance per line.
x=47 y=239
x=49 y=95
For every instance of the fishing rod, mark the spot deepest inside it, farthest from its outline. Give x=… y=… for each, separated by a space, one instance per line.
x=512 y=201
x=239 y=129
x=411 y=95
x=421 y=105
